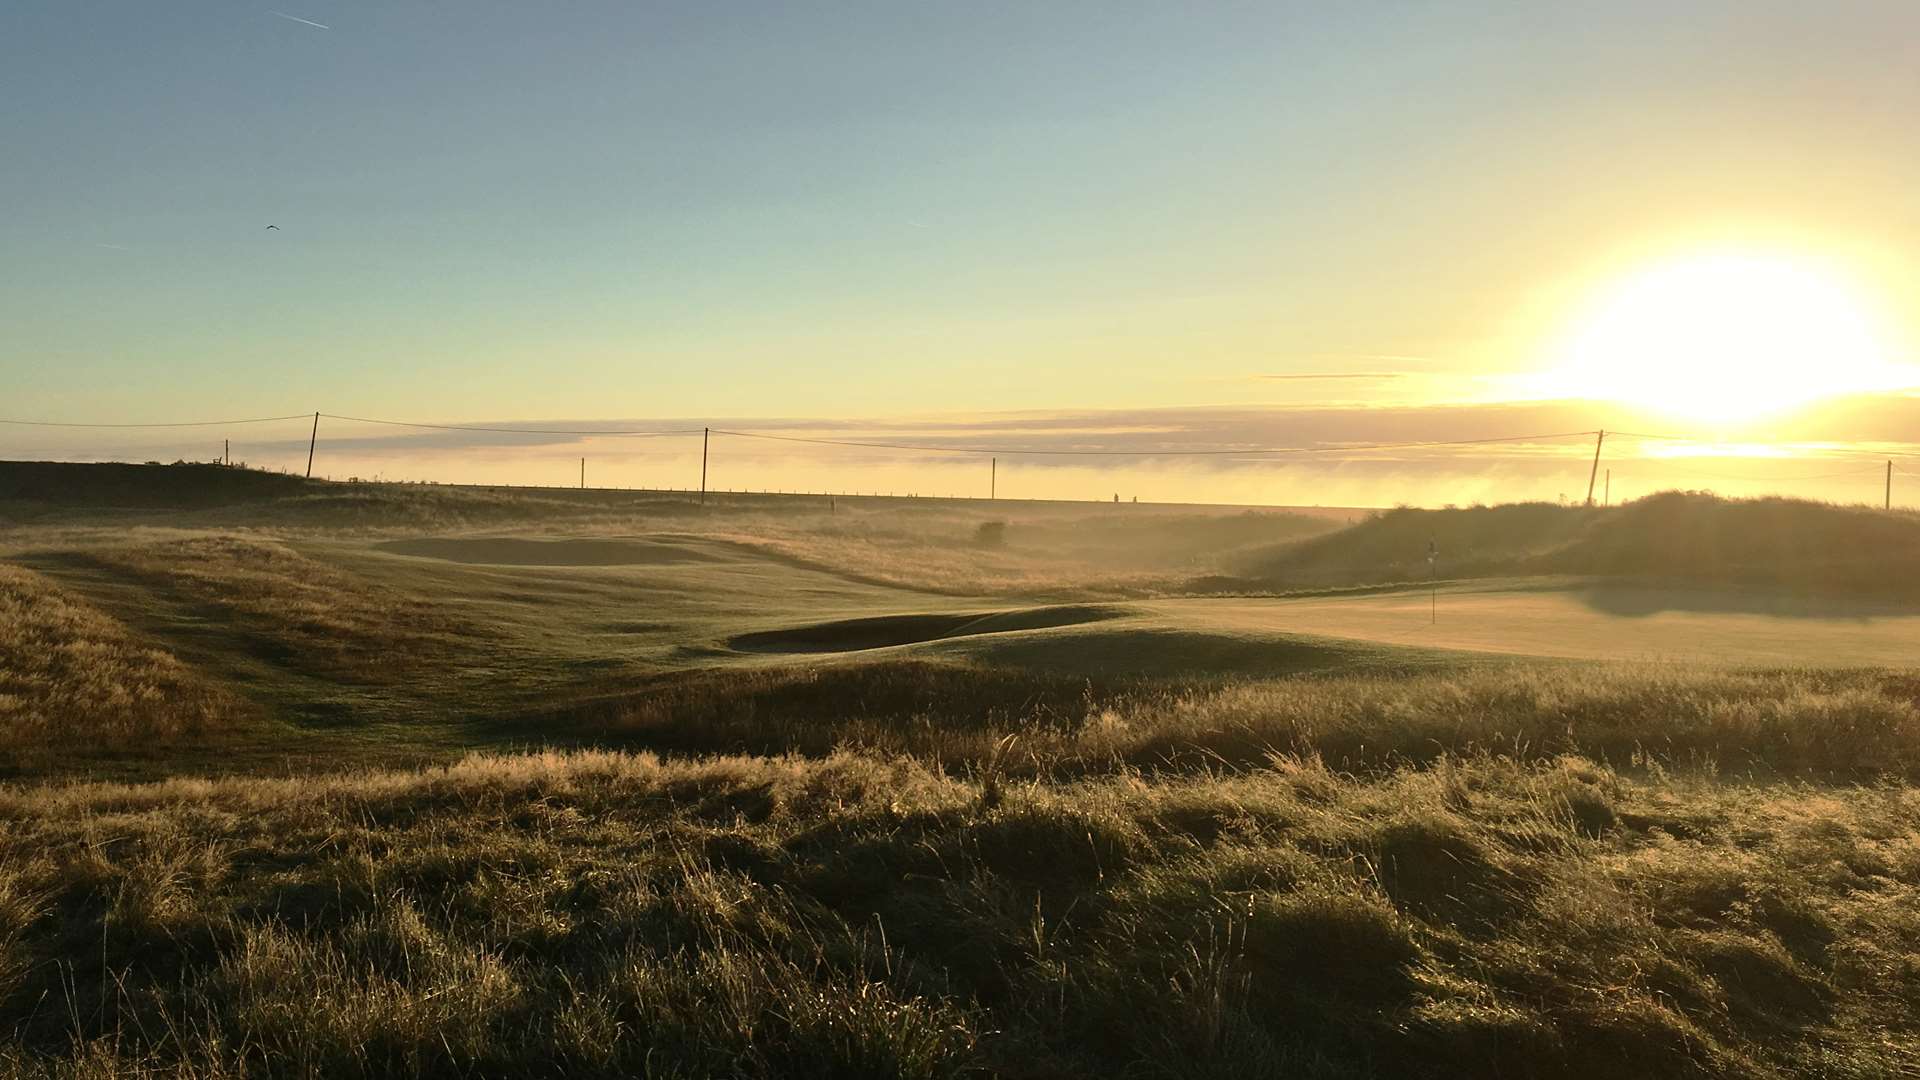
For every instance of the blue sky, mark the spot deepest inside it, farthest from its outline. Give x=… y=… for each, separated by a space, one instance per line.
x=493 y=210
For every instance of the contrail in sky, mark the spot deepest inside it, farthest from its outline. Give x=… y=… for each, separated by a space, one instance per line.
x=298 y=19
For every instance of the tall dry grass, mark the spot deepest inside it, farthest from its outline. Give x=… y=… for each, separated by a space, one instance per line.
x=600 y=914
x=1851 y=725
x=71 y=674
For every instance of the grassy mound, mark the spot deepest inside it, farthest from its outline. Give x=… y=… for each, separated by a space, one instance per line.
x=1787 y=542
x=1684 y=536
x=600 y=915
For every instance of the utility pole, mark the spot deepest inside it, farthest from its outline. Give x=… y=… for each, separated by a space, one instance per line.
x=993 y=479
x=227 y=454
x=312 y=441
x=1889 y=505
x=705 y=434
x=583 y=474
x=1594 y=473
x=1433 y=581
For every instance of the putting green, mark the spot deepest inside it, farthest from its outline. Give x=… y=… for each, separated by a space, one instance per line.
x=1691 y=625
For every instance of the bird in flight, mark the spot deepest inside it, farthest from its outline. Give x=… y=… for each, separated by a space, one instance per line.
x=275 y=227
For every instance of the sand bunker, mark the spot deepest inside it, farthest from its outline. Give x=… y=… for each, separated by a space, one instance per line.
x=501 y=551
x=851 y=635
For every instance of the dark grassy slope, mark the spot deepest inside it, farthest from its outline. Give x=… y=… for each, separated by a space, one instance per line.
x=198 y=495
x=1679 y=536
x=113 y=484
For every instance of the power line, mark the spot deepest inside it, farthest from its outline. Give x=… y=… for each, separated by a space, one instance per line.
x=1712 y=442
x=1350 y=448
x=181 y=424
x=1661 y=463
x=509 y=429
x=1644 y=435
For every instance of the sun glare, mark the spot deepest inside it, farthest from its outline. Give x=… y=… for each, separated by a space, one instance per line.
x=1724 y=338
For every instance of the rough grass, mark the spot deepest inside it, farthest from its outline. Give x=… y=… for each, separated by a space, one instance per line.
x=599 y=914
x=1858 y=725
x=70 y=673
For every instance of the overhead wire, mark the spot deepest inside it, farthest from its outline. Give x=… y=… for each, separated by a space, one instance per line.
x=175 y=424
x=1643 y=435
x=1857 y=471
x=1824 y=448
x=510 y=430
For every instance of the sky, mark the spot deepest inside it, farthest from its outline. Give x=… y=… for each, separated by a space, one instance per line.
x=929 y=214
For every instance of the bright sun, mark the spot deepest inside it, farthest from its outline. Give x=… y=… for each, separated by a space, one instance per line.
x=1724 y=337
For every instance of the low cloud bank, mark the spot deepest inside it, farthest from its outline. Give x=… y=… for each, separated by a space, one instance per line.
x=1829 y=444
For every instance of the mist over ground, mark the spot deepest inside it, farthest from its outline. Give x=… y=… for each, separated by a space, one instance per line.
x=1834 y=453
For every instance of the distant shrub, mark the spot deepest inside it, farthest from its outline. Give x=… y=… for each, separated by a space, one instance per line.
x=991 y=534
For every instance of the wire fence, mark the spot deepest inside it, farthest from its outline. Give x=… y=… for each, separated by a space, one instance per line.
x=1120 y=466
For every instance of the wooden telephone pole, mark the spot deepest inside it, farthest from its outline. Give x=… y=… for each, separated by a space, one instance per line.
x=993 y=479
x=1433 y=581
x=312 y=441
x=705 y=434
x=1889 y=504
x=1594 y=473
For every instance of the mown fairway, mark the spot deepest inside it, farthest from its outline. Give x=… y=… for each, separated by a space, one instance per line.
x=368 y=781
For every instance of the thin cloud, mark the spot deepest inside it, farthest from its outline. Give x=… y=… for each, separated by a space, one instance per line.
x=1336 y=375
x=1378 y=358
x=298 y=19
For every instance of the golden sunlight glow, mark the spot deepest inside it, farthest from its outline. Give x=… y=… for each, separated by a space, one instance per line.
x=1725 y=337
